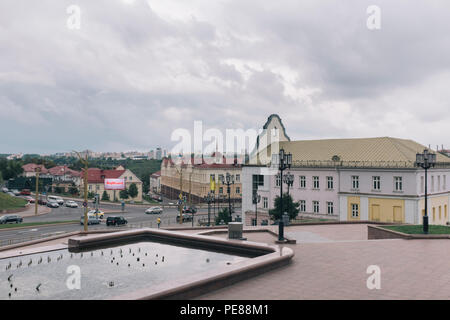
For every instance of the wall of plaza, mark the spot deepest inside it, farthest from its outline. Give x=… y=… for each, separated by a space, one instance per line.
x=381 y=194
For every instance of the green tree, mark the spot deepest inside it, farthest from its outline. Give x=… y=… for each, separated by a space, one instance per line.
x=91 y=195
x=289 y=206
x=123 y=194
x=73 y=190
x=133 y=190
x=223 y=216
x=105 y=196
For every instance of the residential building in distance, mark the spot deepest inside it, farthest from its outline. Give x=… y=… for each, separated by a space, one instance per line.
x=155 y=182
x=195 y=178
x=29 y=170
x=64 y=178
x=96 y=182
x=369 y=179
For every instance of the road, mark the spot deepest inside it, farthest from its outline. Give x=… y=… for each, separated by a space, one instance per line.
x=135 y=216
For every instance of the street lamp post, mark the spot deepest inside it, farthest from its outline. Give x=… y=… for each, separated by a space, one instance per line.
x=284 y=162
x=228 y=181
x=37 y=170
x=209 y=199
x=256 y=200
x=289 y=180
x=426 y=161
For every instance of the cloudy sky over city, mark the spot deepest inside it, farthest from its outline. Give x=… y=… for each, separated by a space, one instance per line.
x=137 y=70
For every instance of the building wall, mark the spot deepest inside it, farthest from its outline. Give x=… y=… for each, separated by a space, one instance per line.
x=309 y=194
x=197 y=181
x=438 y=207
x=386 y=210
x=129 y=177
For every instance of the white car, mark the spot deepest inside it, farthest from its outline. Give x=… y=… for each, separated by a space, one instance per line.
x=71 y=204
x=58 y=200
x=96 y=213
x=154 y=210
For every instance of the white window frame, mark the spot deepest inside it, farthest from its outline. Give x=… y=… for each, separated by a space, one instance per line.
x=330 y=207
x=376 y=183
x=355 y=210
x=316 y=182
x=398 y=184
x=265 y=202
x=302 y=205
x=278 y=180
x=302 y=183
x=316 y=206
x=330 y=183
x=355 y=182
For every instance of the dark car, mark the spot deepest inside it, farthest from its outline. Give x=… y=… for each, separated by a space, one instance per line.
x=115 y=221
x=42 y=202
x=186 y=217
x=11 y=219
x=190 y=210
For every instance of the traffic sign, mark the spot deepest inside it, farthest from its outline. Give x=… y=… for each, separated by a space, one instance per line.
x=85 y=204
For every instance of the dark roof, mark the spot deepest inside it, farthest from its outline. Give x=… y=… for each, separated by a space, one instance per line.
x=99 y=176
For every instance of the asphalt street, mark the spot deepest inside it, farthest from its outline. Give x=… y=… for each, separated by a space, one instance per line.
x=135 y=215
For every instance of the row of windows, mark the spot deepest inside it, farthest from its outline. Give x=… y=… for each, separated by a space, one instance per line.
x=316 y=206
x=440 y=213
x=302 y=182
x=376 y=182
x=238 y=190
x=439 y=187
x=220 y=177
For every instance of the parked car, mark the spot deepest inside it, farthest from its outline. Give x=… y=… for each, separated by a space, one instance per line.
x=96 y=213
x=11 y=219
x=186 y=217
x=52 y=204
x=15 y=192
x=157 y=197
x=9 y=193
x=154 y=210
x=42 y=201
x=71 y=204
x=29 y=199
x=91 y=220
x=190 y=210
x=25 y=192
x=56 y=199
x=5 y=190
x=116 y=221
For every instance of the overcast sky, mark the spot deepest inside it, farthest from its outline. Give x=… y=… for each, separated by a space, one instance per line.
x=137 y=70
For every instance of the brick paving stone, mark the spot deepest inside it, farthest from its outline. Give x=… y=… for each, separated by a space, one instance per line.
x=336 y=268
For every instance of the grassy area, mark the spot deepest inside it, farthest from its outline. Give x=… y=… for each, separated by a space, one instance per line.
x=9 y=202
x=418 y=229
x=32 y=224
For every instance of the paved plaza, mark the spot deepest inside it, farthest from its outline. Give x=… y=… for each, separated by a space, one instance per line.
x=331 y=262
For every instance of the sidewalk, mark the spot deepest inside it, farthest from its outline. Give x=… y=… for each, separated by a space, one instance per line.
x=30 y=211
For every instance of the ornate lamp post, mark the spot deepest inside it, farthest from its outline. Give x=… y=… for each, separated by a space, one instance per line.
x=426 y=160
x=256 y=200
x=284 y=162
x=289 y=180
x=229 y=180
x=37 y=170
x=209 y=199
